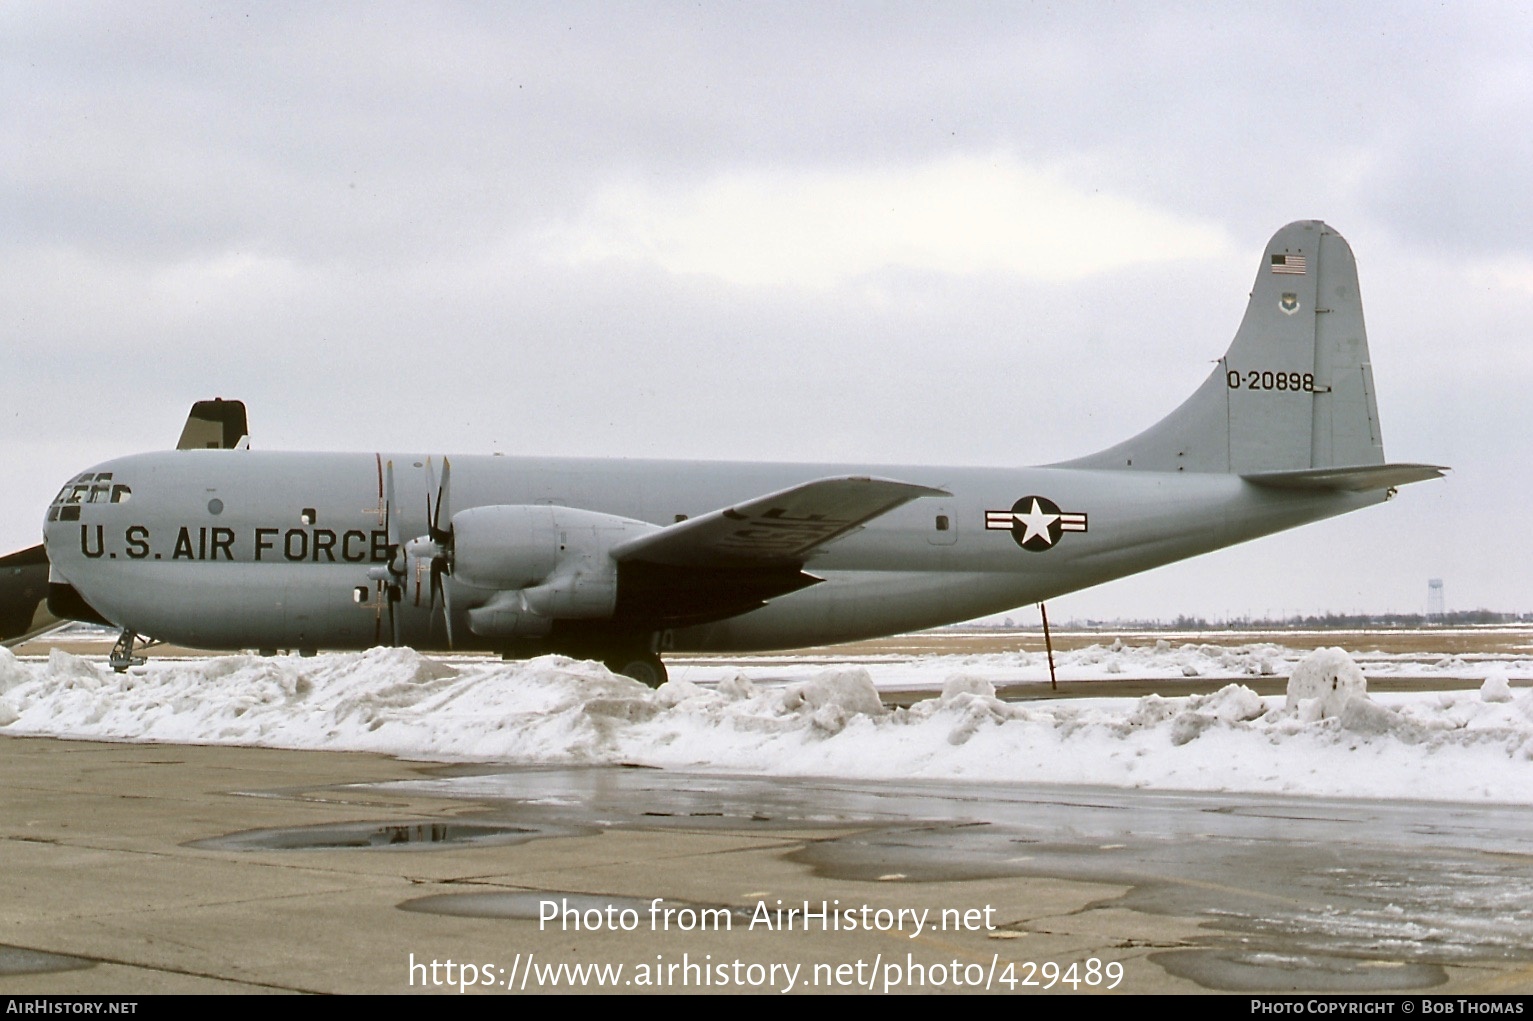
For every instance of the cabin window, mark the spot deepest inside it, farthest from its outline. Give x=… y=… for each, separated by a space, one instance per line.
x=942 y=523
x=308 y=516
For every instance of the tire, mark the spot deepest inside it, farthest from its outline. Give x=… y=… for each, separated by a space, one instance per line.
x=648 y=670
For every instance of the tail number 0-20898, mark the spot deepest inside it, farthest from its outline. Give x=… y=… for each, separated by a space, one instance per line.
x=1265 y=379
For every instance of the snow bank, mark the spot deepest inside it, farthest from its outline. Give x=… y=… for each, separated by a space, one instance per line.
x=1463 y=745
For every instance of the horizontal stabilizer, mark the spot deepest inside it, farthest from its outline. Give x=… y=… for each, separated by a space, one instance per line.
x=780 y=528
x=1364 y=478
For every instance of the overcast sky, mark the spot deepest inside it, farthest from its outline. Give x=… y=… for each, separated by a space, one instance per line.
x=999 y=233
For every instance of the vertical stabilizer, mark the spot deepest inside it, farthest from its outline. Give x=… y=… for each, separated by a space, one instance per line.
x=1295 y=389
x=215 y=425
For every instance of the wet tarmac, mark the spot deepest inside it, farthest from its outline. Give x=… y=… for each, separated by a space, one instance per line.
x=1384 y=894
x=193 y=869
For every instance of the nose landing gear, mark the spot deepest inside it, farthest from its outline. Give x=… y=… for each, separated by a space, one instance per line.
x=123 y=652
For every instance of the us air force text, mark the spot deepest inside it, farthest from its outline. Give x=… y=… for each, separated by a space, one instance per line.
x=202 y=542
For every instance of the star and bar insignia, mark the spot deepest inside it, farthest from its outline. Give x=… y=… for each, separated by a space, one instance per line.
x=1035 y=522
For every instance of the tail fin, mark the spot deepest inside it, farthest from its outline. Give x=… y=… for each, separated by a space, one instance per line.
x=217 y=424
x=1295 y=390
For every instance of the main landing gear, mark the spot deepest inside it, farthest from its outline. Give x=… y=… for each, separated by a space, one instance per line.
x=123 y=652
x=645 y=667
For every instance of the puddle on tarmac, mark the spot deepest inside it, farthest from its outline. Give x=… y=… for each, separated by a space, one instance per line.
x=364 y=836
x=21 y=961
x=1314 y=894
x=1343 y=919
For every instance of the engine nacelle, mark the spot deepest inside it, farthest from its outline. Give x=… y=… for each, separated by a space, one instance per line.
x=547 y=563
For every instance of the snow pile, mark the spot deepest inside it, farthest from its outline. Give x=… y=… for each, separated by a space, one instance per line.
x=1323 y=683
x=1497 y=687
x=1328 y=737
x=1149 y=660
x=1117 y=659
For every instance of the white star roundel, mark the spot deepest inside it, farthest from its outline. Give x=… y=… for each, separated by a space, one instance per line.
x=1035 y=522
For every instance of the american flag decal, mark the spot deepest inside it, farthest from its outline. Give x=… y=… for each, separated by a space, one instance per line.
x=1293 y=265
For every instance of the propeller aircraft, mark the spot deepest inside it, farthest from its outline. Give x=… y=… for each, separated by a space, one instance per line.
x=218 y=546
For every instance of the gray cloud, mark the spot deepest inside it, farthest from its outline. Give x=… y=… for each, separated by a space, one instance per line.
x=331 y=210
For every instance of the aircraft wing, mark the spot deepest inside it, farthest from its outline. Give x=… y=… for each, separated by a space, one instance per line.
x=37 y=634
x=788 y=526
x=733 y=560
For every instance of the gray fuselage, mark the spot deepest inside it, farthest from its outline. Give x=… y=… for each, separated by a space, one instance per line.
x=225 y=549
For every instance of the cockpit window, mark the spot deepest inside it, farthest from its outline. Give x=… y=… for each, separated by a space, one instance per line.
x=86 y=488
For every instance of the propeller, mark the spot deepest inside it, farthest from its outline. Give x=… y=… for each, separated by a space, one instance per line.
x=432 y=553
x=390 y=576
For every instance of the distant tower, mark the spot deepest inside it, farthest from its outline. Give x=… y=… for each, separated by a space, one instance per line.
x=1435 y=609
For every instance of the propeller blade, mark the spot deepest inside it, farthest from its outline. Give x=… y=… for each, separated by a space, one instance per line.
x=391 y=589
x=393 y=596
x=440 y=540
x=442 y=494
x=430 y=516
x=390 y=521
x=439 y=573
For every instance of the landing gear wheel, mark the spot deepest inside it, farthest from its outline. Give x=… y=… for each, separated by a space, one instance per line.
x=123 y=655
x=646 y=668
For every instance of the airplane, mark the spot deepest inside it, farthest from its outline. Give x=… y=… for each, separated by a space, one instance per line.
x=624 y=560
